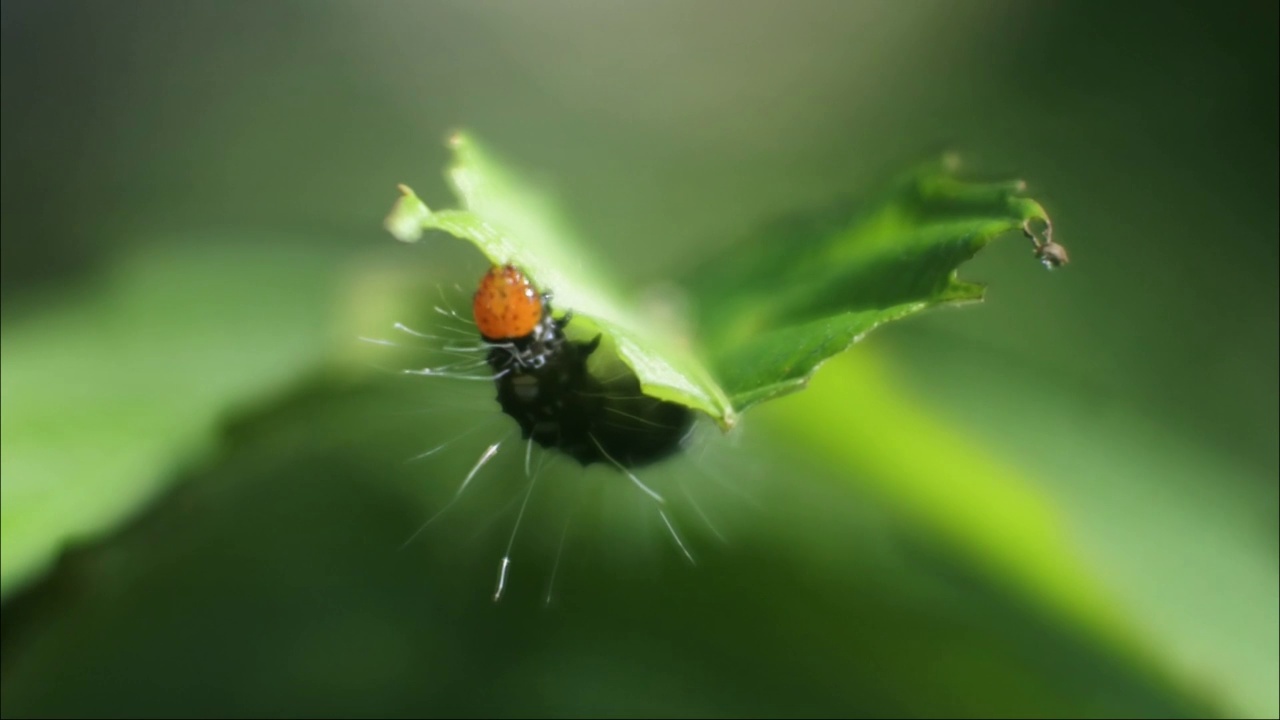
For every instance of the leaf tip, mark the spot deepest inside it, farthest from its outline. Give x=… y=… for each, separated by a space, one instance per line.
x=1051 y=254
x=407 y=216
x=457 y=140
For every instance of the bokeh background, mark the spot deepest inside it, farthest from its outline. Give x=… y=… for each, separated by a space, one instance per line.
x=1062 y=502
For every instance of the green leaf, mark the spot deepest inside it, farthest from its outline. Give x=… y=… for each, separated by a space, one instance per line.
x=808 y=286
x=509 y=223
x=107 y=390
x=975 y=501
x=292 y=544
x=770 y=310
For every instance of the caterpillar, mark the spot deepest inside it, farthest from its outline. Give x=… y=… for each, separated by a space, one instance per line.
x=544 y=383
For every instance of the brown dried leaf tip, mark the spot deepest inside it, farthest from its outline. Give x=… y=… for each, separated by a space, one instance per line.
x=1049 y=252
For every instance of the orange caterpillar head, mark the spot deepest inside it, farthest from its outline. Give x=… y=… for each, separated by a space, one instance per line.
x=506 y=305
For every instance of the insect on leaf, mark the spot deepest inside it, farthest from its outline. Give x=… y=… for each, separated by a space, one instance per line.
x=772 y=309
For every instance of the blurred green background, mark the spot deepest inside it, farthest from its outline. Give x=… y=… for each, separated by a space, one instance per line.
x=1061 y=502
